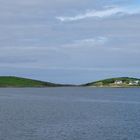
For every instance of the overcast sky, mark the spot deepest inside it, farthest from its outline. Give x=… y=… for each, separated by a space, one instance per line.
x=70 y=41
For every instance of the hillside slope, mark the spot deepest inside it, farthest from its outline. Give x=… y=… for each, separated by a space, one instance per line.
x=11 y=81
x=116 y=82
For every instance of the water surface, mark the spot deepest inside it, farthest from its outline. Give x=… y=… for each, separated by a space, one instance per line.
x=70 y=114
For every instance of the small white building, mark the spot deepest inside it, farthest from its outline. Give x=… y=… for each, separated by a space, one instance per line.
x=137 y=82
x=118 y=82
x=134 y=82
x=131 y=83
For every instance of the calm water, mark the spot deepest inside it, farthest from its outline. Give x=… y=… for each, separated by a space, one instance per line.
x=70 y=114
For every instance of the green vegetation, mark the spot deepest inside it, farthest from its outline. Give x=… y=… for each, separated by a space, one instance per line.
x=116 y=82
x=11 y=81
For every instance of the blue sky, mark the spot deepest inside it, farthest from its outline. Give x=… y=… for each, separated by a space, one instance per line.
x=70 y=41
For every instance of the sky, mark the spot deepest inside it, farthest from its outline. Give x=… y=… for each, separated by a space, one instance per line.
x=70 y=41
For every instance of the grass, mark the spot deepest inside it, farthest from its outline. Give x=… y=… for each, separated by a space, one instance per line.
x=110 y=82
x=11 y=81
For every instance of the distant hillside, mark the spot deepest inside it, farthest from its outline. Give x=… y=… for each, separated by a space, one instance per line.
x=116 y=82
x=11 y=81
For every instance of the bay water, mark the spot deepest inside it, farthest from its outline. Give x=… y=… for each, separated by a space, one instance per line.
x=70 y=113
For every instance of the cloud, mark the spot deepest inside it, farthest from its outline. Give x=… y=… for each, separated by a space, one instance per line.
x=89 y=42
x=97 y=40
x=107 y=12
x=91 y=68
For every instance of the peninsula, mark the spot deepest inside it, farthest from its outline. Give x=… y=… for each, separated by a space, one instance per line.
x=116 y=82
x=12 y=81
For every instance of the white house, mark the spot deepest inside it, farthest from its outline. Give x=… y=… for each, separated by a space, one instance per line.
x=137 y=82
x=118 y=82
x=131 y=83
x=134 y=82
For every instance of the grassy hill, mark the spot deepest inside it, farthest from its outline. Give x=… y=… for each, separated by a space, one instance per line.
x=116 y=82
x=11 y=81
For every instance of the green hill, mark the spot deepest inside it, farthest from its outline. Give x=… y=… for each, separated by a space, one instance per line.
x=11 y=81
x=116 y=82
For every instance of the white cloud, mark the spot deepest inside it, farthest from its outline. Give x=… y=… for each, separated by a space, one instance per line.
x=89 y=42
x=98 y=40
x=110 y=11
